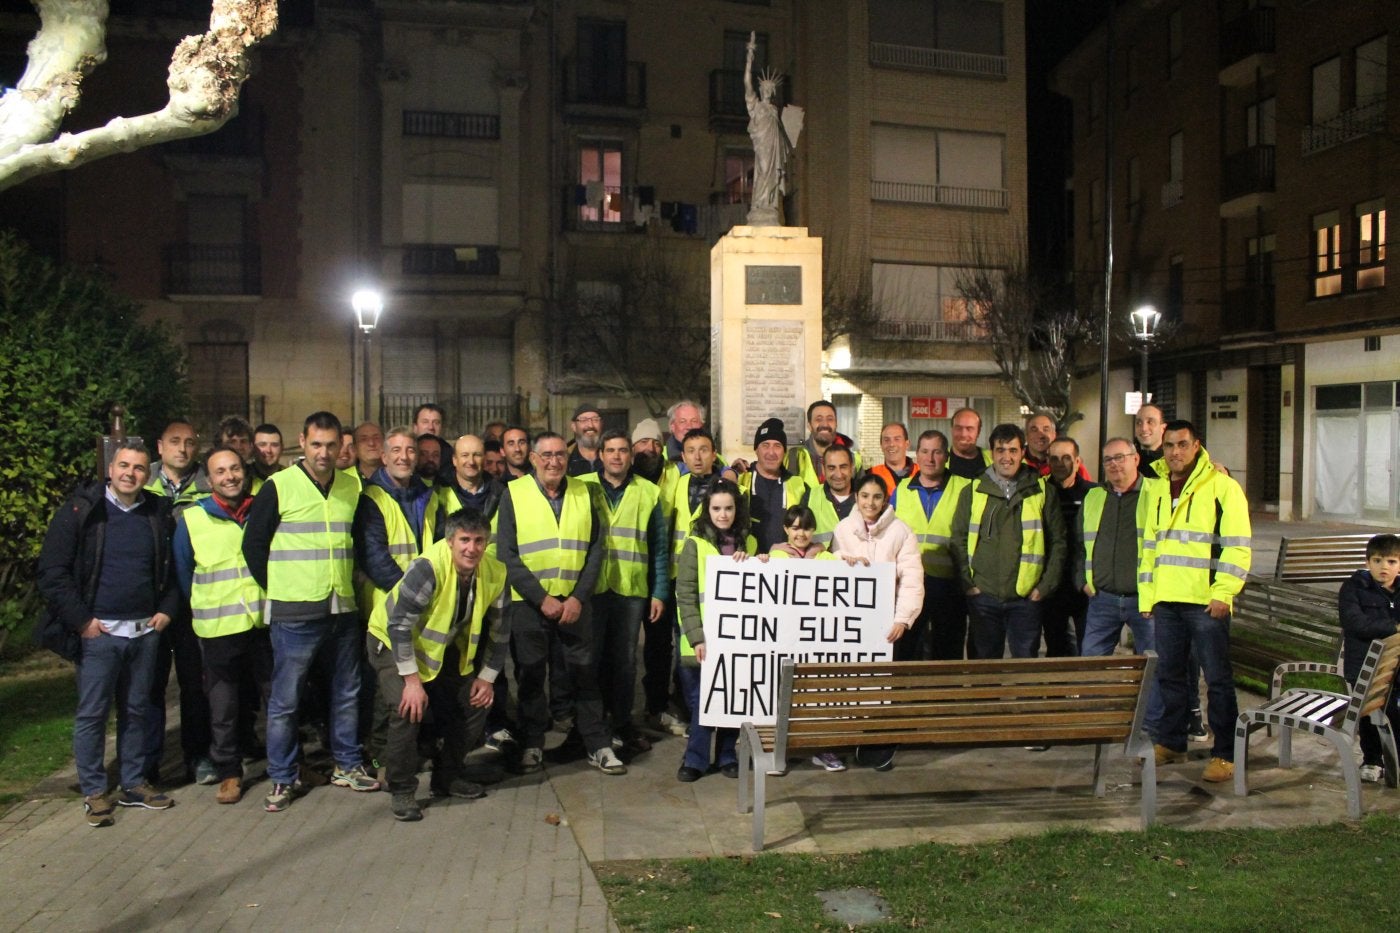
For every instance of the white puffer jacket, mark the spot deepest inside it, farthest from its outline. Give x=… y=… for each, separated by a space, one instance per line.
x=888 y=540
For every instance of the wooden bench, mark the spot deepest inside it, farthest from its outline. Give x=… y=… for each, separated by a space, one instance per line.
x=1012 y=702
x=1320 y=558
x=1277 y=623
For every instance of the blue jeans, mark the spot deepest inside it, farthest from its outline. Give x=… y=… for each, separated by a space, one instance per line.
x=109 y=667
x=995 y=622
x=697 y=747
x=1107 y=614
x=294 y=645
x=1183 y=629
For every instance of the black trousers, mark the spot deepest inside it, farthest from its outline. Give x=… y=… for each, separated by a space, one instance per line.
x=179 y=645
x=539 y=642
x=231 y=662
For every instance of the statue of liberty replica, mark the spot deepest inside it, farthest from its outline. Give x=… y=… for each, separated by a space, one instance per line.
x=774 y=135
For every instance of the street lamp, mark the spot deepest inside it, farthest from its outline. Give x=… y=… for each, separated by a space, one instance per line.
x=368 y=304
x=1145 y=320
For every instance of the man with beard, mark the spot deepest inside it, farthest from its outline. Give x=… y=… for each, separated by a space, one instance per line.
x=588 y=432
x=805 y=460
x=515 y=444
x=966 y=459
x=433 y=456
x=647 y=461
x=770 y=488
x=1068 y=603
x=493 y=460
x=267 y=453
x=832 y=500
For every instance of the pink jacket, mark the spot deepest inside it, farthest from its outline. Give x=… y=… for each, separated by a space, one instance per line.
x=890 y=540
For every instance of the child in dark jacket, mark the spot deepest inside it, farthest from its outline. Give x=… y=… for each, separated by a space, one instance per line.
x=1369 y=610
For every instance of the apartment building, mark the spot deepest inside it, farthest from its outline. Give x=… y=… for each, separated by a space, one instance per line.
x=1253 y=154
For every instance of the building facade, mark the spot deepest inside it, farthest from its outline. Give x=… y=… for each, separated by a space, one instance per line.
x=1251 y=144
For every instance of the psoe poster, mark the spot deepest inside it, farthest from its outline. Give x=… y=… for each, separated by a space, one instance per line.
x=756 y=614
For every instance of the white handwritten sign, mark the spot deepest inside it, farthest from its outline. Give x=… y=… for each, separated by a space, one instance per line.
x=757 y=614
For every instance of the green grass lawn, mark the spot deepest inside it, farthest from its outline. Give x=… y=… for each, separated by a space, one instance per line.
x=37 y=699
x=1335 y=877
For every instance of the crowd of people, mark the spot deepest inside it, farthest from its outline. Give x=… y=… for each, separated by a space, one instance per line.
x=382 y=587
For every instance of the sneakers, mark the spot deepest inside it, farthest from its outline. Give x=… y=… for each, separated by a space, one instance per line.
x=356 y=778
x=230 y=790
x=405 y=807
x=144 y=795
x=881 y=759
x=282 y=796
x=830 y=761
x=457 y=787
x=606 y=761
x=499 y=739
x=665 y=722
x=1196 y=732
x=1218 y=770
x=531 y=759
x=98 y=810
x=1371 y=774
x=1166 y=756
x=205 y=773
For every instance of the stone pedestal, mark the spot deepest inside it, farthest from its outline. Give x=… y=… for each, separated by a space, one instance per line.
x=765 y=332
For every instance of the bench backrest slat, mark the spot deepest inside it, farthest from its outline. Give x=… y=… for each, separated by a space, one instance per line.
x=1320 y=558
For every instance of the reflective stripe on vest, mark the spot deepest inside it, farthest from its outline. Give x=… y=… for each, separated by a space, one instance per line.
x=311 y=556
x=625 y=559
x=827 y=519
x=554 y=550
x=681 y=516
x=431 y=630
x=224 y=597
x=1032 y=558
x=934 y=532
x=402 y=545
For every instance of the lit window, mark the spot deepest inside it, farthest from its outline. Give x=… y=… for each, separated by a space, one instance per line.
x=1327 y=255
x=600 y=175
x=1370 y=244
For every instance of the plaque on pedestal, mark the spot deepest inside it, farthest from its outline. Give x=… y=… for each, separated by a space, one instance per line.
x=765 y=332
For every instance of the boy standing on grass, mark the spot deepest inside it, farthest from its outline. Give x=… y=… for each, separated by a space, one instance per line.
x=1368 y=608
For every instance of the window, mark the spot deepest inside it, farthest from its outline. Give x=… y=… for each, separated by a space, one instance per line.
x=1175 y=44
x=955 y=25
x=1370 y=244
x=919 y=302
x=600 y=174
x=1259 y=264
x=1327 y=255
x=738 y=175
x=1095 y=206
x=1132 y=73
x=929 y=166
x=1176 y=288
x=1176 y=166
x=847 y=414
x=1370 y=72
x=1134 y=188
x=1095 y=102
x=1326 y=90
x=450 y=215
x=601 y=61
x=1260 y=123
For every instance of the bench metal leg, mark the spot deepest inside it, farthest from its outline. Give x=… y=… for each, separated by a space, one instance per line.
x=1098 y=771
x=1351 y=772
x=760 y=777
x=1388 y=752
x=1242 y=755
x=1149 y=786
x=1285 y=747
x=744 y=758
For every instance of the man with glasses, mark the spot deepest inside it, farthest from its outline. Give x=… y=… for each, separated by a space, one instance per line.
x=588 y=433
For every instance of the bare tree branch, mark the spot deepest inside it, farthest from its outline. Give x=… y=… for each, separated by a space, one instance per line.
x=205 y=77
x=848 y=296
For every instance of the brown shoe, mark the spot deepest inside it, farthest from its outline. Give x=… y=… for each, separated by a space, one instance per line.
x=1218 y=770
x=1166 y=756
x=230 y=790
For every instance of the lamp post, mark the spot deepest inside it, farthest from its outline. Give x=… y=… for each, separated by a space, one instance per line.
x=1145 y=320
x=368 y=304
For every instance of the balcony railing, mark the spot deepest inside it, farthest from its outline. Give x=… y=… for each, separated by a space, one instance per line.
x=948 y=61
x=609 y=208
x=436 y=259
x=205 y=269
x=1348 y=125
x=605 y=84
x=1246 y=35
x=466 y=412
x=926 y=331
x=1173 y=192
x=1248 y=171
x=453 y=125
x=945 y=195
x=1248 y=309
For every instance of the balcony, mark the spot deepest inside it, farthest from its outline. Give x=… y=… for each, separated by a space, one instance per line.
x=1344 y=127
x=927 y=331
x=451 y=125
x=1247 y=47
x=597 y=89
x=1247 y=310
x=1173 y=192
x=436 y=259
x=209 y=269
x=997 y=199
x=943 y=61
x=1247 y=184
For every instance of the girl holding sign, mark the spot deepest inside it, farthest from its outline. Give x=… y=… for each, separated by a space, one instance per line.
x=872 y=534
x=723 y=512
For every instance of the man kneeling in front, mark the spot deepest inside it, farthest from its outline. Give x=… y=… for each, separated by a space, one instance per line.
x=423 y=645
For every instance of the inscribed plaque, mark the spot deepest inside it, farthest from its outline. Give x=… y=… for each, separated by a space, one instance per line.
x=774 y=374
x=773 y=285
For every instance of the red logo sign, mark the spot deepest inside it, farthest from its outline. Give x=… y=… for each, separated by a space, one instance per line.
x=926 y=407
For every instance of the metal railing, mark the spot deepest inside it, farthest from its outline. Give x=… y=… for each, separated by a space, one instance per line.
x=453 y=125
x=210 y=269
x=435 y=259
x=1347 y=125
x=461 y=413
x=1246 y=35
x=949 y=61
x=1248 y=171
x=605 y=83
x=946 y=195
x=927 y=331
x=1173 y=192
x=1247 y=309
